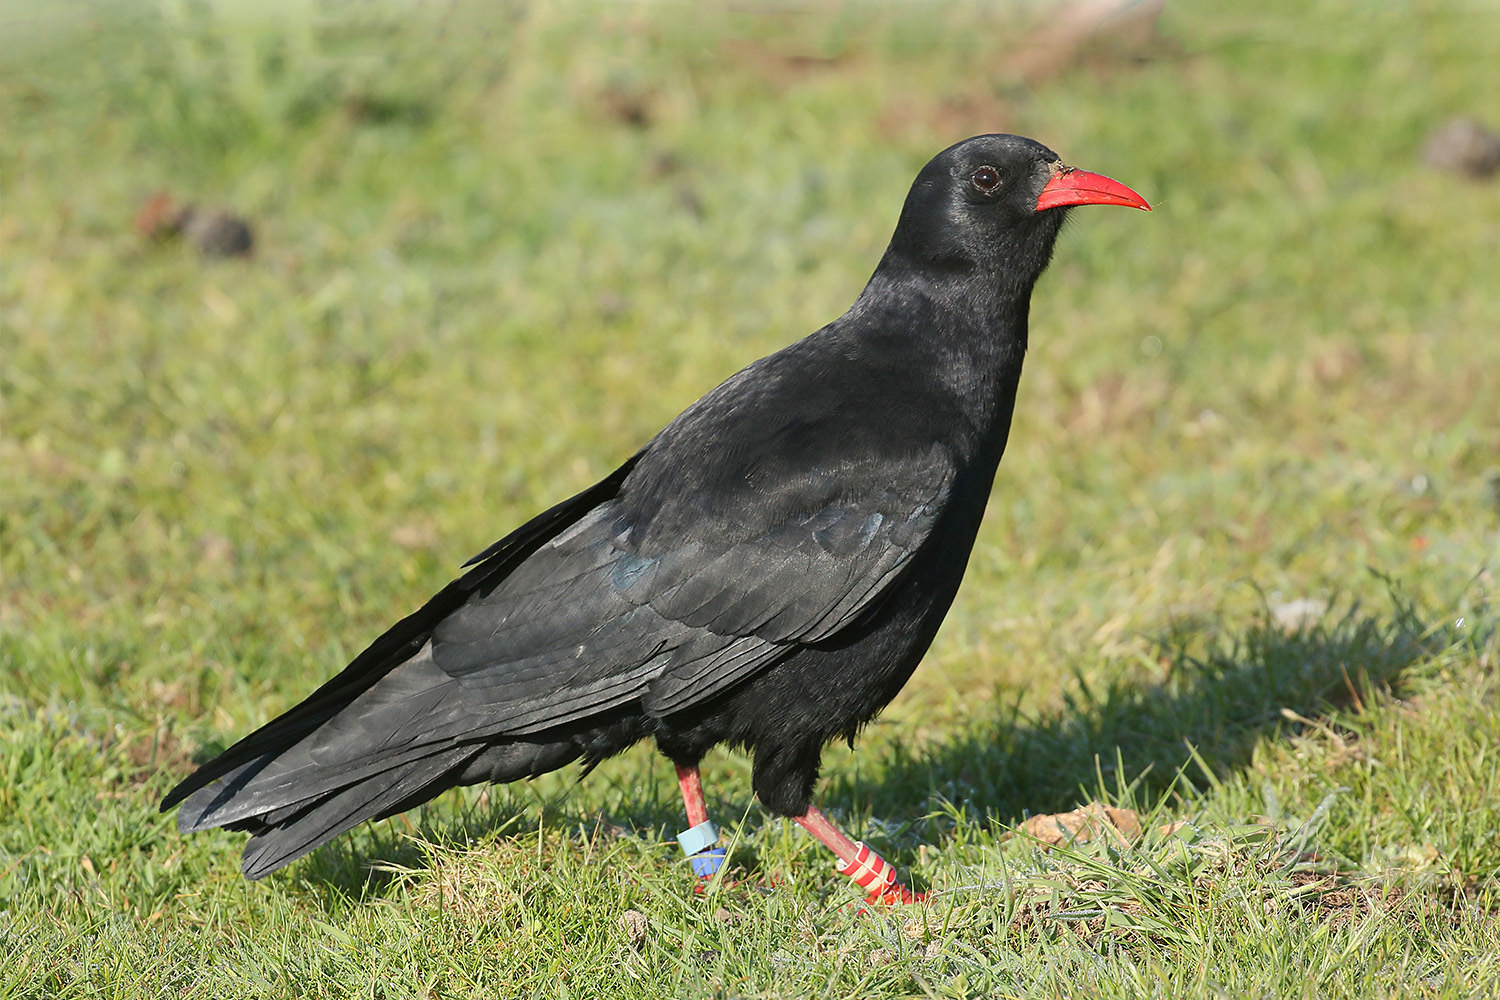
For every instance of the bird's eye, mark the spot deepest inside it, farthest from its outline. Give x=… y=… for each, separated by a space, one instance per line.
x=985 y=179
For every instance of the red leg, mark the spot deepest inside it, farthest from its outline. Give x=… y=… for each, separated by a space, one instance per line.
x=699 y=841
x=868 y=870
x=692 y=795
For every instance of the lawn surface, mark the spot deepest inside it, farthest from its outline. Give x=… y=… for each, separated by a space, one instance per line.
x=1237 y=576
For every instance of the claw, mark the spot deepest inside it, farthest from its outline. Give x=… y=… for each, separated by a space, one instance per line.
x=895 y=895
x=892 y=895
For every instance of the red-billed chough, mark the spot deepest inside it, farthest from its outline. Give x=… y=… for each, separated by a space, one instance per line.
x=766 y=572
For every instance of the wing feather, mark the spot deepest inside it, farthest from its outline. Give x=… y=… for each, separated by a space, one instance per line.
x=590 y=623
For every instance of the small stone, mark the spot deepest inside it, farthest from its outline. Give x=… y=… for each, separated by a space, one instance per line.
x=216 y=234
x=1463 y=146
x=634 y=924
x=212 y=232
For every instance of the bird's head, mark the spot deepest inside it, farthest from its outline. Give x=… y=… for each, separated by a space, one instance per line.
x=996 y=203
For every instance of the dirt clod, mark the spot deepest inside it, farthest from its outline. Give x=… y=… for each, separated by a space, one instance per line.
x=1463 y=146
x=635 y=925
x=1084 y=824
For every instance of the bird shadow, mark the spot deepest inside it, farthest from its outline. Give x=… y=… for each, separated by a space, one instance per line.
x=1193 y=717
x=1212 y=694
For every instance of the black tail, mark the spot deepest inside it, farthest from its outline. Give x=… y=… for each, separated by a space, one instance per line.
x=283 y=834
x=289 y=822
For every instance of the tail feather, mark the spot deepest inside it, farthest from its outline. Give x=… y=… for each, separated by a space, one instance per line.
x=284 y=829
x=202 y=810
x=384 y=731
x=296 y=831
x=317 y=771
x=400 y=643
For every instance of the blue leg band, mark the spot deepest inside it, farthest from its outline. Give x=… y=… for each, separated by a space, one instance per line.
x=697 y=839
x=709 y=862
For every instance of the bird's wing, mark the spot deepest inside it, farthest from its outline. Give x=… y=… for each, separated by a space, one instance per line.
x=591 y=621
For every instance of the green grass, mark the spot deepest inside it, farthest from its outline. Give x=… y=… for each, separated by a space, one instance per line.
x=498 y=247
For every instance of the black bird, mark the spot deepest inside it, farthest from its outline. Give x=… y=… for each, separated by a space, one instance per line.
x=766 y=572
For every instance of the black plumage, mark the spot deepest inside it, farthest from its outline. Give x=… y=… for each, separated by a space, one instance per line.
x=766 y=572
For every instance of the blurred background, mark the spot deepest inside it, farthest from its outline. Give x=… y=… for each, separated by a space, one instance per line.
x=305 y=302
x=490 y=248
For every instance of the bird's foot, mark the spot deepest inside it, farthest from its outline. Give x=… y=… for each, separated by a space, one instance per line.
x=876 y=875
x=895 y=895
x=884 y=898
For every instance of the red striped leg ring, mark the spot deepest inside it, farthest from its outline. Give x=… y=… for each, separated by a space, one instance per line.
x=868 y=869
